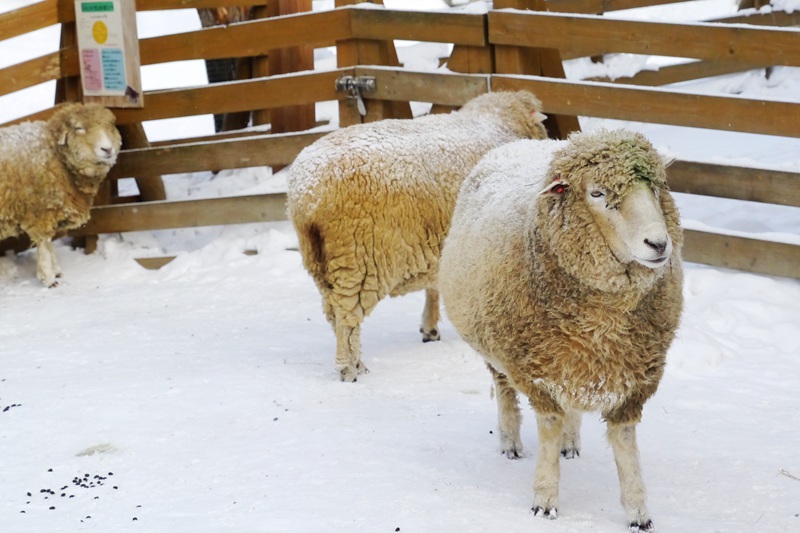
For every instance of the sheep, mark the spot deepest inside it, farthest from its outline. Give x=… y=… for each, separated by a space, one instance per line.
x=562 y=270
x=371 y=204
x=50 y=172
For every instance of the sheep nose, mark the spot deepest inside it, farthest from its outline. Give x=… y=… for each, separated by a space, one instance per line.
x=107 y=150
x=658 y=246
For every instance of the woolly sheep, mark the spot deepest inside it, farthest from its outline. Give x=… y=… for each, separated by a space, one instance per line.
x=372 y=203
x=50 y=172
x=562 y=269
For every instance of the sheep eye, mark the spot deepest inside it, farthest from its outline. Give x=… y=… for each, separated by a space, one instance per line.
x=596 y=194
x=80 y=129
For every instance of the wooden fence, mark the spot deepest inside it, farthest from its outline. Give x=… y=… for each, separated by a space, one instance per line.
x=501 y=50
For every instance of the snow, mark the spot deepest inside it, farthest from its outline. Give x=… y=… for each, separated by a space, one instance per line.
x=205 y=392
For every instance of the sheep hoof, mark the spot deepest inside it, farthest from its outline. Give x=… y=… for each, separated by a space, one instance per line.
x=350 y=373
x=428 y=336
x=646 y=527
x=511 y=453
x=550 y=514
x=570 y=453
x=53 y=285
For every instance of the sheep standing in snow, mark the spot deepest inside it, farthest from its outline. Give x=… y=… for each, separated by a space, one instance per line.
x=372 y=204
x=49 y=174
x=562 y=269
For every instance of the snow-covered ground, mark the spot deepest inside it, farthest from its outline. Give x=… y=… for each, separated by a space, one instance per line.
x=202 y=397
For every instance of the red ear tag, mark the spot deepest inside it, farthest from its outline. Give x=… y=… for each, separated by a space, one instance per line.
x=560 y=188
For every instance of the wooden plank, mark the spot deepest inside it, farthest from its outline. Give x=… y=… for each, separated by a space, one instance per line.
x=384 y=24
x=156 y=5
x=248 y=39
x=683 y=72
x=261 y=93
x=660 y=106
x=30 y=73
x=262 y=150
x=66 y=12
x=471 y=60
x=589 y=35
x=185 y=214
x=750 y=255
x=774 y=18
x=438 y=88
x=154 y=263
x=27 y=19
x=602 y=6
x=740 y=183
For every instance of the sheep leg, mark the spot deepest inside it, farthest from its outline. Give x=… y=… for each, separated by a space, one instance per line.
x=46 y=266
x=571 y=439
x=509 y=418
x=52 y=250
x=430 y=316
x=626 y=454
x=348 y=351
x=545 y=484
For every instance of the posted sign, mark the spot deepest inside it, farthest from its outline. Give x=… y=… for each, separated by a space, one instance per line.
x=109 y=52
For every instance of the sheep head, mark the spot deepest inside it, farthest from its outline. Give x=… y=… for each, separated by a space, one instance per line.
x=610 y=219
x=87 y=142
x=519 y=110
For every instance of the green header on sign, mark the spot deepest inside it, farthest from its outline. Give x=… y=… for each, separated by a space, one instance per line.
x=94 y=7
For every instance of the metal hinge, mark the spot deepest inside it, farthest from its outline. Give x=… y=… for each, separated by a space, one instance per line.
x=354 y=86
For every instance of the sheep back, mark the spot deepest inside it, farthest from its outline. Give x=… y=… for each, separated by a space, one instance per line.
x=562 y=336
x=372 y=203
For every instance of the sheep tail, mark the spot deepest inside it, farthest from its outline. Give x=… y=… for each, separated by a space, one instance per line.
x=312 y=244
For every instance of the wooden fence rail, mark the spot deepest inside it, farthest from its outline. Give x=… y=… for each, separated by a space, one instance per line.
x=584 y=35
x=479 y=40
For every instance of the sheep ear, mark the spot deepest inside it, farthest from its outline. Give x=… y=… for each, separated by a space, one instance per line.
x=558 y=186
x=538 y=117
x=62 y=137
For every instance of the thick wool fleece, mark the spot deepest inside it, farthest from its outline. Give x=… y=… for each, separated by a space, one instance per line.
x=50 y=171
x=530 y=283
x=372 y=203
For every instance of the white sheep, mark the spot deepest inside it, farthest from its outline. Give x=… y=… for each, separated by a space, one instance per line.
x=50 y=172
x=562 y=269
x=372 y=203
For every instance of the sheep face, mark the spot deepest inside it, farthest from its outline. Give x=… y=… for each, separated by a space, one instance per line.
x=87 y=138
x=614 y=199
x=633 y=226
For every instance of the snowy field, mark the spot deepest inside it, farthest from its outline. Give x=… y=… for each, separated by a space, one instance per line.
x=202 y=397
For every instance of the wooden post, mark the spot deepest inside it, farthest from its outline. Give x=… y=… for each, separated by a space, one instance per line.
x=467 y=60
x=283 y=61
x=260 y=69
x=294 y=59
x=357 y=52
x=68 y=88
x=536 y=62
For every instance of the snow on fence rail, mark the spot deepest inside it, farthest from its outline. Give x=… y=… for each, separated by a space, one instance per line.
x=500 y=50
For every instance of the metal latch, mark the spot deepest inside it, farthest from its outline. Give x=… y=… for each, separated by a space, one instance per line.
x=354 y=86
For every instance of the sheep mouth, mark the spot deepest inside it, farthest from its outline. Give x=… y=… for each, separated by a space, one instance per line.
x=652 y=263
x=106 y=161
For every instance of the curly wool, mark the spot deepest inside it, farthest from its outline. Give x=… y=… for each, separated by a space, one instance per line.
x=372 y=203
x=530 y=283
x=50 y=171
